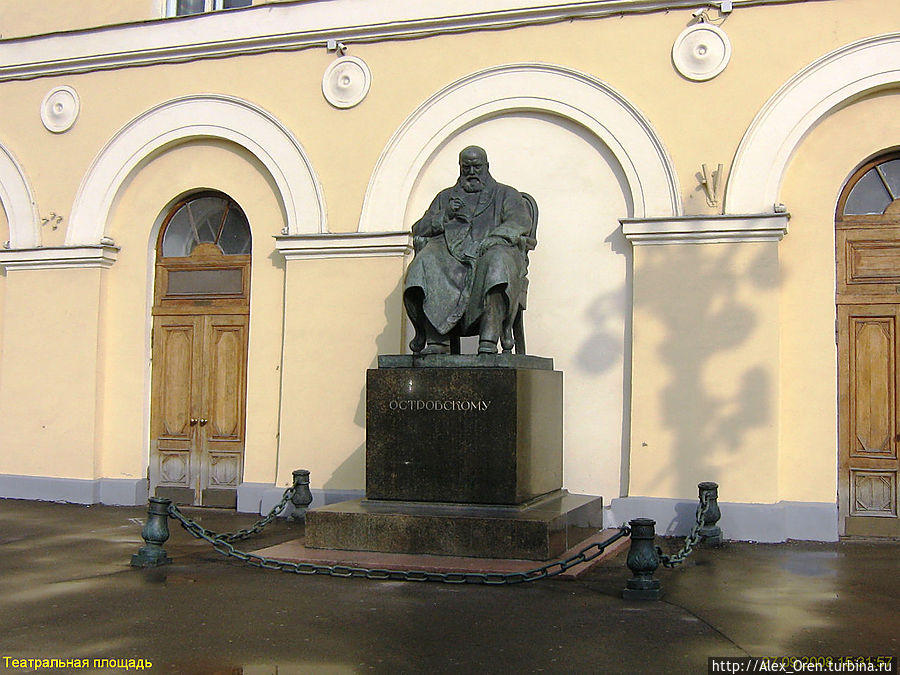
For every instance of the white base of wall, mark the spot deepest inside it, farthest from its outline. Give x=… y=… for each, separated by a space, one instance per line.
x=261 y=497
x=111 y=491
x=809 y=521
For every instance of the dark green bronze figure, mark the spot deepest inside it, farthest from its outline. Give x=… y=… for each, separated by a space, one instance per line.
x=469 y=273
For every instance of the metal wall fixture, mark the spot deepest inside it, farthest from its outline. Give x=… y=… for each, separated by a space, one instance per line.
x=59 y=109
x=711 y=182
x=347 y=79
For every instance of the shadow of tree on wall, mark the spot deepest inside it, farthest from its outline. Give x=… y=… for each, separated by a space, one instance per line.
x=351 y=473
x=608 y=347
x=714 y=347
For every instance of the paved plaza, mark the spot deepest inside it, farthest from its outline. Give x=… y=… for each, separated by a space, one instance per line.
x=67 y=592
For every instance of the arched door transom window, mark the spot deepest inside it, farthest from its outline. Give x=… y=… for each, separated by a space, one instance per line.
x=208 y=219
x=876 y=192
x=203 y=255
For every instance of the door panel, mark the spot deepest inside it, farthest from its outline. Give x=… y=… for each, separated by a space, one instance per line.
x=226 y=385
x=872 y=348
x=868 y=352
x=223 y=434
x=175 y=361
x=175 y=396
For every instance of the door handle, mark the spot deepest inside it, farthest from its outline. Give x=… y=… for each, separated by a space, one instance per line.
x=203 y=422
x=194 y=421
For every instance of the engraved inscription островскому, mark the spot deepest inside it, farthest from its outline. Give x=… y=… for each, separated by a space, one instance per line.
x=445 y=405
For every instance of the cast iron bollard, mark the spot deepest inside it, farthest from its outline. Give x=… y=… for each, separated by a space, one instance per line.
x=642 y=561
x=302 y=497
x=155 y=533
x=711 y=533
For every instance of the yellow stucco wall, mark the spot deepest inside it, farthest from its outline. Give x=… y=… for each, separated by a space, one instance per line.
x=21 y=18
x=34 y=17
x=723 y=333
x=698 y=122
x=705 y=380
x=50 y=371
x=339 y=315
x=814 y=180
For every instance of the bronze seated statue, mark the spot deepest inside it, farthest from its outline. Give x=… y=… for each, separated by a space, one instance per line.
x=469 y=274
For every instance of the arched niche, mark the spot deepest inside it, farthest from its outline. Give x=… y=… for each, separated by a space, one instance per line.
x=197 y=117
x=574 y=97
x=827 y=84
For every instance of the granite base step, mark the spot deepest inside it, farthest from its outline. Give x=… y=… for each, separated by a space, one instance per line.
x=541 y=529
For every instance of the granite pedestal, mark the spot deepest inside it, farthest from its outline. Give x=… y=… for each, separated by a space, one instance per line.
x=463 y=457
x=465 y=434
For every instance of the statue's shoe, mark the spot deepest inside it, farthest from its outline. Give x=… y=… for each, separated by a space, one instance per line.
x=417 y=344
x=436 y=348
x=487 y=347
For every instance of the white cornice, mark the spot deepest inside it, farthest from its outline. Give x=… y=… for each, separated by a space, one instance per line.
x=58 y=257
x=344 y=245
x=705 y=229
x=293 y=26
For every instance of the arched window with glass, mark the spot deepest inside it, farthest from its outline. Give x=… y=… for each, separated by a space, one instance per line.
x=203 y=255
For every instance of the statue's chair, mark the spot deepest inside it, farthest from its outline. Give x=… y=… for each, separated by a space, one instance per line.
x=526 y=244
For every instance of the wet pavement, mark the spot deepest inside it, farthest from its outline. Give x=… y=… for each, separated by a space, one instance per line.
x=67 y=592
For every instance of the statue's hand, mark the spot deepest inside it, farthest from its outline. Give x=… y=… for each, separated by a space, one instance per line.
x=454 y=210
x=490 y=242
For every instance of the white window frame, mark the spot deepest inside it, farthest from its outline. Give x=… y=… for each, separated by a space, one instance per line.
x=208 y=6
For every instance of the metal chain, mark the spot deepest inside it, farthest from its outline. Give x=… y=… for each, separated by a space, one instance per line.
x=692 y=539
x=201 y=532
x=222 y=545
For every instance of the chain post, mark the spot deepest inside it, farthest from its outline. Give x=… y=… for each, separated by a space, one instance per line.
x=705 y=522
x=155 y=533
x=710 y=532
x=643 y=559
x=302 y=497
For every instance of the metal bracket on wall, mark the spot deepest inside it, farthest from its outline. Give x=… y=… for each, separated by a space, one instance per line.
x=711 y=183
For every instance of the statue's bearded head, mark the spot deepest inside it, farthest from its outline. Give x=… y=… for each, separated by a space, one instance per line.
x=473 y=169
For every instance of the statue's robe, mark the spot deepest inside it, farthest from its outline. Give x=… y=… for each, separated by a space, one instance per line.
x=448 y=269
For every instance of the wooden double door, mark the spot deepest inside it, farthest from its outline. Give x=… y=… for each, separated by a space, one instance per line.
x=201 y=315
x=868 y=338
x=198 y=411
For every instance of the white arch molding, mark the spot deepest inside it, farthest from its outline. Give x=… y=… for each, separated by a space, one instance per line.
x=784 y=121
x=193 y=117
x=522 y=87
x=18 y=203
